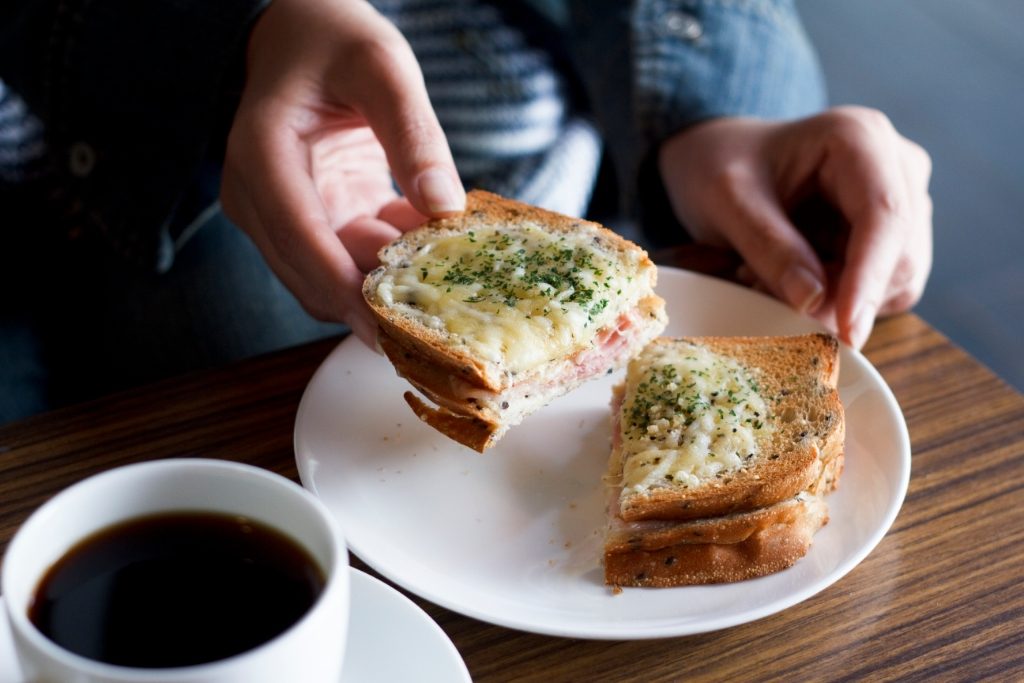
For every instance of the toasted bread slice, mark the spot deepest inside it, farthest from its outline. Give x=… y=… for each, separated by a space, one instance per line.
x=723 y=449
x=736 y=547
x=718 y=425
x=493 y=313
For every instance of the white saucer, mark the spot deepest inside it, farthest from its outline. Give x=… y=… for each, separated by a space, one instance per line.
x=391 y=639
x=383 y=621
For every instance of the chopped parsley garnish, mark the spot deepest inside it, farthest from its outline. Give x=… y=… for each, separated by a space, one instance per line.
x=664 y=395
x=503 y=271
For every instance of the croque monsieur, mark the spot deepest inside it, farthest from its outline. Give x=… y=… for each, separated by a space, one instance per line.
x=495 y=312
x=722 y=451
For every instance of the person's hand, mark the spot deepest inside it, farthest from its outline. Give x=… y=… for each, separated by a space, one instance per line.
x=739 y=182
x=334 y=105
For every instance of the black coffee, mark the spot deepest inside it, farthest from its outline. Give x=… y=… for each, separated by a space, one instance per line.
x=175 y=590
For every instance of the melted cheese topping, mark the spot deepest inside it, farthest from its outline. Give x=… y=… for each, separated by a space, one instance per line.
x=688 y=415
x=516 y=297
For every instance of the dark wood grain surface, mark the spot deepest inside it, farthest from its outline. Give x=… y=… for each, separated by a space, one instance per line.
x=938 y=599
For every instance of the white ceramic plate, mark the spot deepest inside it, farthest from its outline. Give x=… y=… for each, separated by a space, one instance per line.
x=513 y=536
x=390 y=640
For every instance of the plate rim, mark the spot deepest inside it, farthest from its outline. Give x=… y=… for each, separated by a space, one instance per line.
x=632 y=630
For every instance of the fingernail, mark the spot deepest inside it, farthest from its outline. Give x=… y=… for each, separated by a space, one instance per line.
x=861 y=327
x=802 y=289
x=440 y=192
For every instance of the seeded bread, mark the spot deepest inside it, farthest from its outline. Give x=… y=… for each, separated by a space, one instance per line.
x=493 y=313
x=728 y=524
x=796 y=378
x=736 y=547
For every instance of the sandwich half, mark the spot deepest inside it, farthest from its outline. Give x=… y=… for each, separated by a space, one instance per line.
x=722 y=451
x=495 y=312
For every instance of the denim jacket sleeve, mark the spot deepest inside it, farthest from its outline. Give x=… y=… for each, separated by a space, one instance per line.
x=654 y=67
x=129 y=94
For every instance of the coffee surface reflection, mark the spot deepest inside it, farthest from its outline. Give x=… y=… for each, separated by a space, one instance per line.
x=175 y=590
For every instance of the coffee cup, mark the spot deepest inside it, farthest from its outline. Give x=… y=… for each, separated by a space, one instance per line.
x=159 y=509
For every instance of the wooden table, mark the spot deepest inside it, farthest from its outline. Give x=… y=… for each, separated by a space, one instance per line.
x=938 y=599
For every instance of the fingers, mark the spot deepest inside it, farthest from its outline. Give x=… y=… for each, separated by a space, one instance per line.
x=722 y=190
x=277 y=204
x=908 y=280
x=363 y=237
x=878 y=181
x=734 y=180
x=401 y=214
x=752 y=219
x=346 y=61
x=384 y=83
x=873 y=252
x=825 y=313
x=723 y=194
x=303 y=174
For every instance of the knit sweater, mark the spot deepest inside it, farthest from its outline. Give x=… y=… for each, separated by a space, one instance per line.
x=93 y=91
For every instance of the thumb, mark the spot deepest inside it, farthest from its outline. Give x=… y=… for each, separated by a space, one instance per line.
x=395 y=103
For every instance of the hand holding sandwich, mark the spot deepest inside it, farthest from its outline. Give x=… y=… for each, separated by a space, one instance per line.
x=735 y=181
x=334 y=106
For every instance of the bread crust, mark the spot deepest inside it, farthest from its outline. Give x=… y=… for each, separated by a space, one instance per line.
x=472 y=396
x=799 y=375
x=766 y=542
x=627 y=537
x=482 y=207
x=470 y=431
x=433 y=381
x=747 y=539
